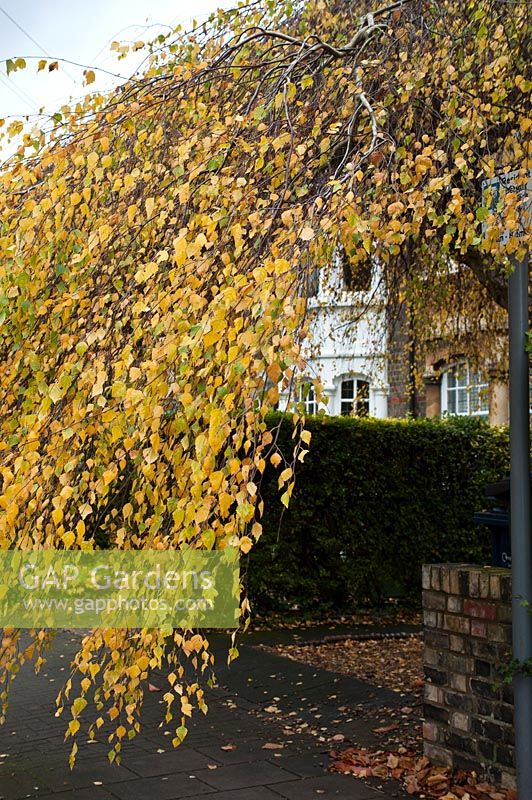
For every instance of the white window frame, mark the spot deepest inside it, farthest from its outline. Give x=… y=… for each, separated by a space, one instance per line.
x=471 y=384
x=310 y=404
x=352 y=399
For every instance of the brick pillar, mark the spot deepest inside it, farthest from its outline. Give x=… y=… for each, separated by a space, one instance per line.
x=468 y=710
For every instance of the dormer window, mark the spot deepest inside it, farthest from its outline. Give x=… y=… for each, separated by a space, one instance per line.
x=356 y=275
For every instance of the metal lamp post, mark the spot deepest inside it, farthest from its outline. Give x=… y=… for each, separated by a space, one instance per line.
x=520 y=523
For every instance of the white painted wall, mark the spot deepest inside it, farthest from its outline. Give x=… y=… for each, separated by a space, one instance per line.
x=347 y=339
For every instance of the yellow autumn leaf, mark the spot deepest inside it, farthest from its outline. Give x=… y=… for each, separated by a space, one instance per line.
x=68 y=539
x=245 y=544
x=274 y=372
x=143 y=663
x=150 y=205
x=108 y=476
x=225 y=500
x=306 y=436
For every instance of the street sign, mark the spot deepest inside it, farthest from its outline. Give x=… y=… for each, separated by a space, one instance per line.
x=505 y=183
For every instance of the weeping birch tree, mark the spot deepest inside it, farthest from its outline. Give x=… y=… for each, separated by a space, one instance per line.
x=156 y=245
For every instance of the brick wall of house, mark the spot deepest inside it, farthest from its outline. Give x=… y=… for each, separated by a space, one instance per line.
x=399 y=404
x=468 y=711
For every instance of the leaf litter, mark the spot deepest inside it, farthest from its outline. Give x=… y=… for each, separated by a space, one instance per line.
x=418 y=776
x=395 y=664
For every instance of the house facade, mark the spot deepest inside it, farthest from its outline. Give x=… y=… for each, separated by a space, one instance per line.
x=365 y=361
x=346 y=346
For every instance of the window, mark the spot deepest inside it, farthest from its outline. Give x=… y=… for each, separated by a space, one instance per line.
x=356 y=275
x=464 y=392
x=307 y=396
x=354 y=397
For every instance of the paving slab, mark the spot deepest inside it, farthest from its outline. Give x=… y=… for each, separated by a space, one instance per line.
x=256 y=793
x=243 y=776
x=328 y=786
x=170 y=787
x=152 y=764
x=80 y=794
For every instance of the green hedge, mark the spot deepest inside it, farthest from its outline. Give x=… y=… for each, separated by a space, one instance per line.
x=373 y=500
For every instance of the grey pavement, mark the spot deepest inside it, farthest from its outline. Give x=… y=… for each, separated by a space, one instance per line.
x=270 y=727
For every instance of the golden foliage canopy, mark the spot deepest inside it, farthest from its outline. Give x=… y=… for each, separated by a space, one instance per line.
x=155 y=245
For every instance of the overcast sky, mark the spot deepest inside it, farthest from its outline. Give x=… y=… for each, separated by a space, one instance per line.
x=79 y=31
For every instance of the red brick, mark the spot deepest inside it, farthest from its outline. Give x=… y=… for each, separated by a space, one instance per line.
x=480 y=610
x=434 y=658
x=478 y=628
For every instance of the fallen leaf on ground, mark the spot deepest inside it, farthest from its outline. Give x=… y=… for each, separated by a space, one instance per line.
x=386 y=729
